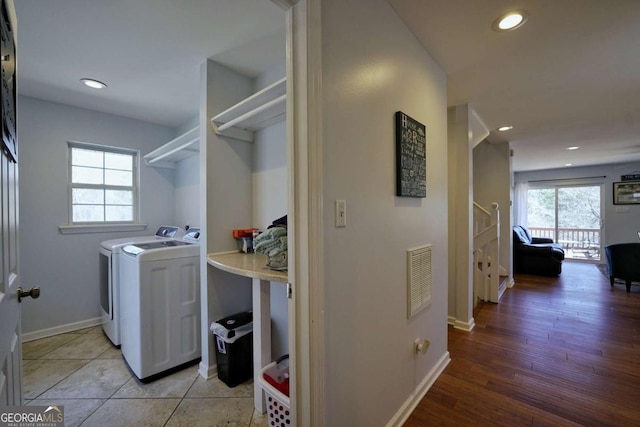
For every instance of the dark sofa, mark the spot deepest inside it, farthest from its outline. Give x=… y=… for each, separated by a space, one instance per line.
x=535 y=255
x=623 y=262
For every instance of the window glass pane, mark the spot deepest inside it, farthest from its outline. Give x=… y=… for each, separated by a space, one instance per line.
x=82 y=157
x=119 y=213
x=99 y=169
x=88 y=213
x=84 y=175
x=541 y=208
x=85 y=196
x=118 y=161
x=121 y=178
x=116 y=197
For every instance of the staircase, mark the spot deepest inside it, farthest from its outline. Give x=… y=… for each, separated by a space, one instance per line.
x=487 y=283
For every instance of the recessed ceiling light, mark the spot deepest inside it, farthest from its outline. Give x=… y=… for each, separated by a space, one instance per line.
x=575 y=147
x=510 y=21
x=568 y=164
x=95 y=84
x=504 y=128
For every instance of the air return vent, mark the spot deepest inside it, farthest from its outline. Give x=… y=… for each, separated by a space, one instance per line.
x=419 y=279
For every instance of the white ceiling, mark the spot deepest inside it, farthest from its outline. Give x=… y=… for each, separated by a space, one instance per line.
x=570 y=76
x=148 y=52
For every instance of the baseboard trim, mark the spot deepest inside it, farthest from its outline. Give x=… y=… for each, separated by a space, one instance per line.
x=451 y=320
x=410 y=404
x=465 y=326
x=62 y=329
x=207 y=372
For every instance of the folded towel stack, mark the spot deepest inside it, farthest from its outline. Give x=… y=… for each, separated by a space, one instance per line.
x=273 y=243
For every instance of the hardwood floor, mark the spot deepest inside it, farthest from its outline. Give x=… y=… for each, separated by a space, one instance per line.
x=555 y=352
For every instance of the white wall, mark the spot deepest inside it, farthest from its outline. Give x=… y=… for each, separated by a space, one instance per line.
x=270 y=194
x=460 y=186
x=187 y=184
x=66 y=266
x=492 y=183
x=372 y=66
x=619 y=227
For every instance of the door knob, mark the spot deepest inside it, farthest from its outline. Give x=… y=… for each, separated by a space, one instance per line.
x=33 y=293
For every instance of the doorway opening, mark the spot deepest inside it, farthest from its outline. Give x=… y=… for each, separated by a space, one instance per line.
x=569 y=214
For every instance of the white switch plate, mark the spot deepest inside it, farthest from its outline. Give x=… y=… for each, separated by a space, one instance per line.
x=341 y=213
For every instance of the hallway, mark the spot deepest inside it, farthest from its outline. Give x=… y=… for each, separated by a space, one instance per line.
x=555 y=352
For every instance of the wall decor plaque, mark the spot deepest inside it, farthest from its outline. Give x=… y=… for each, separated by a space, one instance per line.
x=411 y=159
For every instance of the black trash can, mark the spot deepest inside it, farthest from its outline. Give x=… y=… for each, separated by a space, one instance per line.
x=234 y=348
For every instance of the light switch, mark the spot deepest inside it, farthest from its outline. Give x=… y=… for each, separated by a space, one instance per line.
x=341 y=213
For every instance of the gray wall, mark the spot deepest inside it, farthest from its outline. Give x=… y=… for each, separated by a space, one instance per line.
x=372 y=66
x=66 y=266
x=621 y=222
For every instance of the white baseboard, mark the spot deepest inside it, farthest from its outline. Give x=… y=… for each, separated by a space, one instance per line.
x=412 y=401
x=56 y=330
x=511 y=283
x=465 y=326
x=207 y=372
x=451 y=320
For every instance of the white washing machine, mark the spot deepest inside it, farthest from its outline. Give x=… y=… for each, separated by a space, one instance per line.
x=160 y=303
x=109 y=276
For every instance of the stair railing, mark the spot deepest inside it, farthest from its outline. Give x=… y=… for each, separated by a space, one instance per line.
x=486 y=250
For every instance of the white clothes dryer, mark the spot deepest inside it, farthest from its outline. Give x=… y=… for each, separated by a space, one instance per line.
x=109 y=276
x=160 y=302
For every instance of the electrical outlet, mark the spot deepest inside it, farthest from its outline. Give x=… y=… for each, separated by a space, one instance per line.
x=421 y=347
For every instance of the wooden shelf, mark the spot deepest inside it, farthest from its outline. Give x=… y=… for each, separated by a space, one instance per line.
x=247 y=265
x=180 y=148
x=256 y=112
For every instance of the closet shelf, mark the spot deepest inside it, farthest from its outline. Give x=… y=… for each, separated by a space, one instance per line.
x=256 y=112
x=180 y=148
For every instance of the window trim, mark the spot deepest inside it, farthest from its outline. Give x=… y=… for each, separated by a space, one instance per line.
x=104 y=226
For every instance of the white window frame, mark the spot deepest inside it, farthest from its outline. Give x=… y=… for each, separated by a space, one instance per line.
x=103 y=226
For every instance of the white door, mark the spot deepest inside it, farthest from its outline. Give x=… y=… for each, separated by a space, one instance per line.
x=10 y=343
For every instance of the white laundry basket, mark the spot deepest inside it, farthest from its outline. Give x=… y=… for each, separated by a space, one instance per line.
x=278 y=410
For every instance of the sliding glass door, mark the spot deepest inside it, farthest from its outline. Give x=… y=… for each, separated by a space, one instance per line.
x=569 y=214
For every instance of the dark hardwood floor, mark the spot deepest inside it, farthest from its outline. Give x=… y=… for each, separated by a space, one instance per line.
x=555 y=352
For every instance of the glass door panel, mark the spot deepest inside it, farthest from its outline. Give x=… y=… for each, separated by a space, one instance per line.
x=579 y=221
x=571 y=216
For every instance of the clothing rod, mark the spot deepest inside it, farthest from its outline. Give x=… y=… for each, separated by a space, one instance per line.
x=568 y=179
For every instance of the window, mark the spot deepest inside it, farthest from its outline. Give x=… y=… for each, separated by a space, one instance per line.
x=102 y=187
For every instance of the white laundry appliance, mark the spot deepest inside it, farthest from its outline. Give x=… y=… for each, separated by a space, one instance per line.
x=109 y=276
x=160 y=302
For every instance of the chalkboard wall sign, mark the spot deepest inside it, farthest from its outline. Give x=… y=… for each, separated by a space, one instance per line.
x=411 y=159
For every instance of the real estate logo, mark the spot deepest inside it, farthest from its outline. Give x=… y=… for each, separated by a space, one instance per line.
x=32 y=416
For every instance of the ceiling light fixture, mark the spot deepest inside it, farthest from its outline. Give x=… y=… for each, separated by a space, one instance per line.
x=94 y=84
x=568 y=164
x=575 y=147
x=510 y=21
x=504 y=128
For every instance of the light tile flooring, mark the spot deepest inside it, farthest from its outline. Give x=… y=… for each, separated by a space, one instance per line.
x=86 y=374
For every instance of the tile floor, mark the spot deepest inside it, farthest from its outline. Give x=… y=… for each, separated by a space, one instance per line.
x=86 y=374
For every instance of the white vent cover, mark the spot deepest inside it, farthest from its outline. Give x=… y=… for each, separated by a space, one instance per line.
x=419 y=279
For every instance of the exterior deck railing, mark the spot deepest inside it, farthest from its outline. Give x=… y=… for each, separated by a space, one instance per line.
x=581 y=243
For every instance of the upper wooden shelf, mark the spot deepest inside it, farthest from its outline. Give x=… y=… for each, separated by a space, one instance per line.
x=256 y=112
x=166 y=156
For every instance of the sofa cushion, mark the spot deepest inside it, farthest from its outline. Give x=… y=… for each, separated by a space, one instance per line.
x=521 y=235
